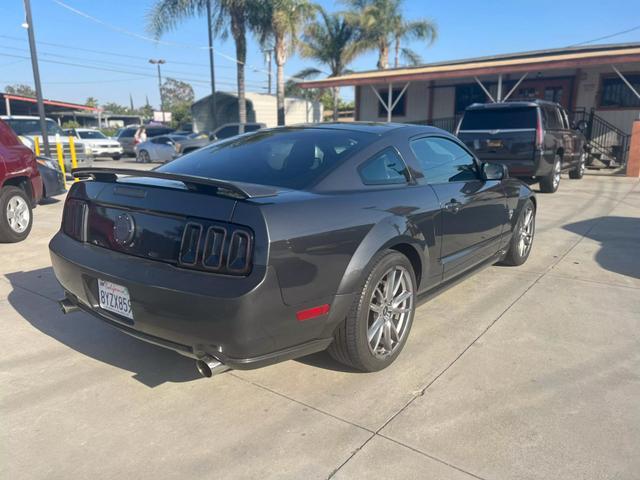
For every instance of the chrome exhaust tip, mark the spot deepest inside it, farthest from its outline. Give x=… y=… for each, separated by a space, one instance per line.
x=67 y=306
x=209 y=366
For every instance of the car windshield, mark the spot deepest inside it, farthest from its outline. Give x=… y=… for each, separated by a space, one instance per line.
x=499 y=118
x=92 y=135
x=289 y=158
x=23 y=126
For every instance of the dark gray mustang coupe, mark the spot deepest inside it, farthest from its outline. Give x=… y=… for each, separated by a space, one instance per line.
x=284 y=242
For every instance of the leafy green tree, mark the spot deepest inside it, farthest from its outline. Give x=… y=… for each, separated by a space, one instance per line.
x=333 y=41
x=176 y=92
x=382 y=24
x=91 y=102
x=20 y=89
x=112 y=107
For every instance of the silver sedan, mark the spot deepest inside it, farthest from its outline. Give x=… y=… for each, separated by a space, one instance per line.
x=158 y=149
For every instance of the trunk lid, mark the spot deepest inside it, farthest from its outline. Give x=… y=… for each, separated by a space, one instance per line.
x=501 y=144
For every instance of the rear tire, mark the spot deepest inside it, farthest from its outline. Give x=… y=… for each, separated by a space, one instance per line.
x=16 y=216
x=522 y=238
x=578 y=172
x=378 y=324
x=551 y=182
x=116 y=157
x=143 y=157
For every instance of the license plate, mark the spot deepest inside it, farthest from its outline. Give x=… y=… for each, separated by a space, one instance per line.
x=114 y=298
x=494 y=143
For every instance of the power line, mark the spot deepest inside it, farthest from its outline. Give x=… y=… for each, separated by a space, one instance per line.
x=161 y=42
x=111 y=53
x=106 y=69
x=632 y=29
x=139 y=67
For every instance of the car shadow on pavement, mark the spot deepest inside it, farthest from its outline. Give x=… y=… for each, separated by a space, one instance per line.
x=85 y=334
x=619 y=239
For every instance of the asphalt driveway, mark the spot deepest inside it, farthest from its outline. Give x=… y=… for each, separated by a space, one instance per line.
x=530 y=372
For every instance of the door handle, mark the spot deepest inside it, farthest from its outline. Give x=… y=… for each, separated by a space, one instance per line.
x=453 y=206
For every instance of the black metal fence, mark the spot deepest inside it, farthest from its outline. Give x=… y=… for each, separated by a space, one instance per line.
x=607 y=141
x=448 y=124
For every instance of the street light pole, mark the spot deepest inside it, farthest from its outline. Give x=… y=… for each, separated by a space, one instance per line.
x=214 y=106
x=36 y=78
x=159 y=62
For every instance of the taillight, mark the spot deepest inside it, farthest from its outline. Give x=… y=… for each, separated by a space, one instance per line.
x=539 y=134
x=74 y=219
x=216 y=248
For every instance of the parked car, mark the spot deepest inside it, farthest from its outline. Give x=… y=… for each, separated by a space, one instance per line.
x=127 y=139
x=99 y=144
x=228 y=130
x=29 y=127
x=533 y=138
x=158 y=149
x=52 y=178
x=20 y=186
x=288 y=241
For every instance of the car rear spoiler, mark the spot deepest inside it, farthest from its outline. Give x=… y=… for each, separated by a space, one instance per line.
x=192 y=182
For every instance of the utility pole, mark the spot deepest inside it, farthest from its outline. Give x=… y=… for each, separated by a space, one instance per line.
x=267 y=57
x=159 y=62
x=36 y=78
x=214 y=105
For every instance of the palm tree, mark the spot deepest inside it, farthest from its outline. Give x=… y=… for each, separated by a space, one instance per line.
x=227 y=15
x=334 y=42
x=279 y=22
x=381 y=23
x=412 y=30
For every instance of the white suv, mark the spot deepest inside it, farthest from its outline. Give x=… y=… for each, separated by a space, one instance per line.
x=29 y=128
x=99 y=144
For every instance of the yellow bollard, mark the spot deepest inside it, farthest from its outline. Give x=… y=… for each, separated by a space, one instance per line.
x=61 y=162
x=36 y=146
x=74 y=160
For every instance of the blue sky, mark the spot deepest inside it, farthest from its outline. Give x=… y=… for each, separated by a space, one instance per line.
x=467 y=29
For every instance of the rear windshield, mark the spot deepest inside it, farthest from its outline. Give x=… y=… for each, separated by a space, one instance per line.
x=288 y=158
x=92 y=135
x=499 y=119
x=127 y=132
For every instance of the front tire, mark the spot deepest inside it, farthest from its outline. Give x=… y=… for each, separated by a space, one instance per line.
x=16 y=216
x=378 y=325
x=551 y=182
x=522 y=238
x=578 y=172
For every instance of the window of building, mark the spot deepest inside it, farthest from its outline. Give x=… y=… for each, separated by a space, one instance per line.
x=443 y=160
x=616 y=94
x=468 y=94
x=400 y=110
x=383 y=169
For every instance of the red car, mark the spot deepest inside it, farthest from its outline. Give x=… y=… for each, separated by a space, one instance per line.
x=20 y=186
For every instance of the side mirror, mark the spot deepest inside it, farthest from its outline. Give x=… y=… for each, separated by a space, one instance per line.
x=581 y=126
x=494 y=171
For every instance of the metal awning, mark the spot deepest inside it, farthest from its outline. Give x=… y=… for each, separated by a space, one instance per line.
x=512 y=63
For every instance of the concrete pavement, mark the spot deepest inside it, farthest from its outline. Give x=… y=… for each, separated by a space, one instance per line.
x=530 y=372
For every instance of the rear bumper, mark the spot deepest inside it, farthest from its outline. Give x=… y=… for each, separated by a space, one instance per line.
x=242 y=322
x=538 y=166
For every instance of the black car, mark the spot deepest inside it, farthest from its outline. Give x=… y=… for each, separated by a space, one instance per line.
x=533 y=138
x=288 y=241
x=52 y=178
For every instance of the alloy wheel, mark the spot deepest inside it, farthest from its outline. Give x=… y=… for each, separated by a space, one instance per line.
x=557 y=168
x=18 y=214
x=390 y=309
x=583 y=163
x=525 y=239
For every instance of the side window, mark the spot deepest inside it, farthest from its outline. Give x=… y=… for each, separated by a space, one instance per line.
x=551 y=118
x=227 y=132
x=443 y=160
x=385 y=168
x=159 y=140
